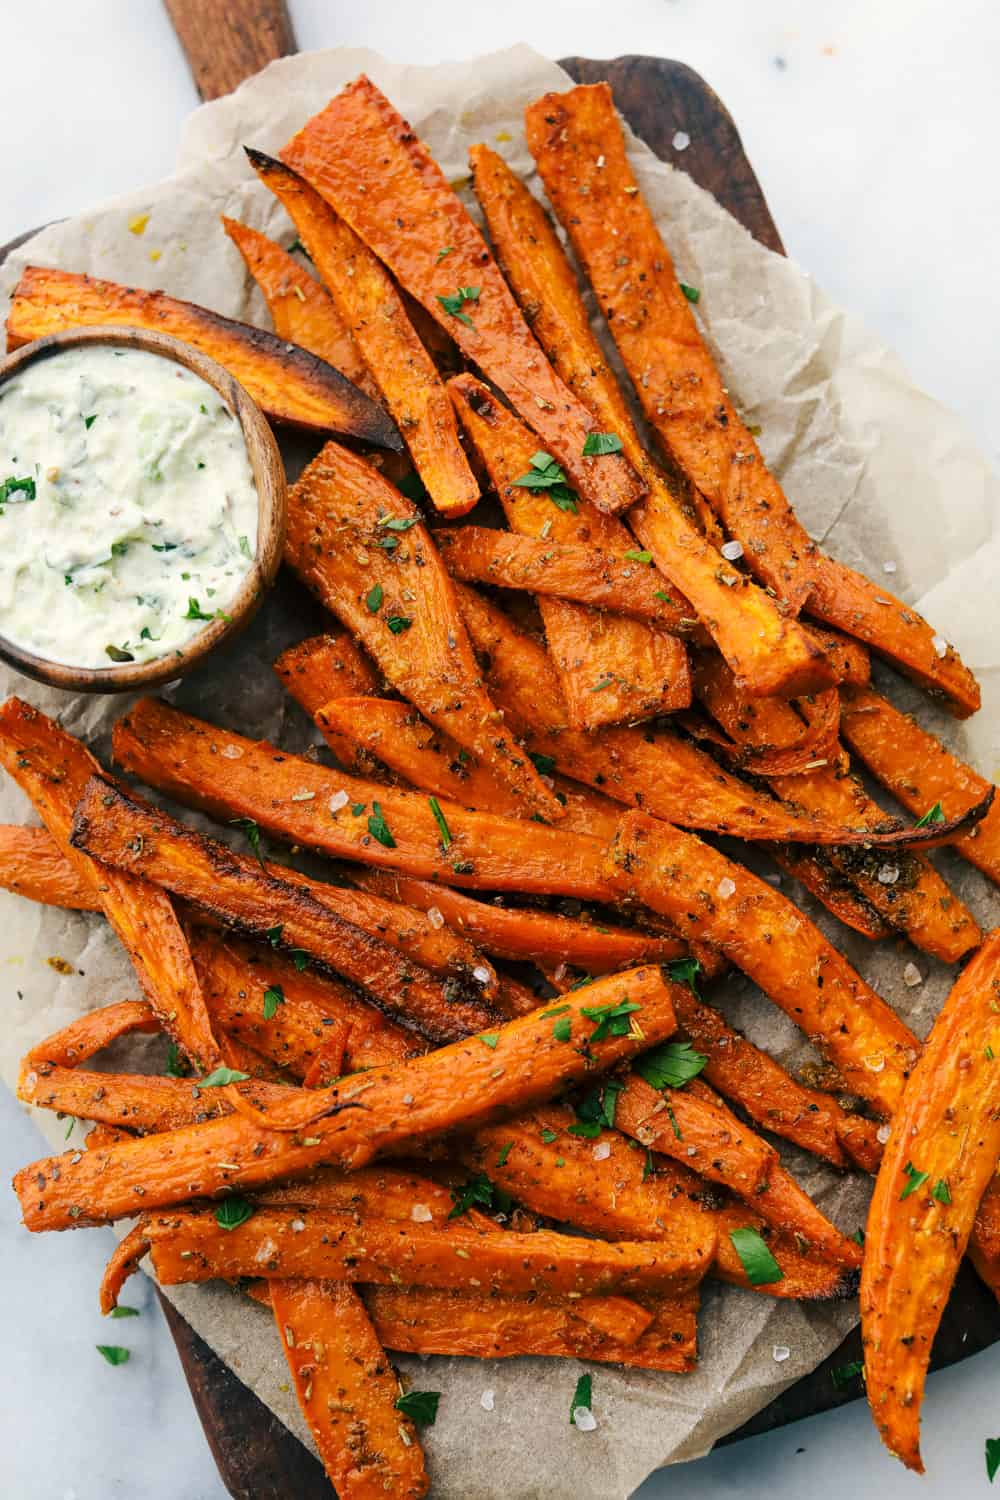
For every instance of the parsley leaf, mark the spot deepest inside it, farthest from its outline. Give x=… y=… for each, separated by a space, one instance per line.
x=177 y=1064
x=561 y=1030
x=12 y=486
x=245 y=547
x=124 y=1311
x=195 y=611
x=444 y=251
x=295 y=245
x=597 y=444
x=273 y=935
x=673 y=1123
x=479 y=1192
x=756 y=1259
x=420 y=1406
x=612 y=1020
x=505 y=1151
x=548 y=1136
x=457 y=301
x=274 y=996
x=842 y=1375
x=88 y=422
x=250 y=827
x=670 y=1066
x=596 y=1110
x=398 y=623
x=582 y=1396
x=114 y=1353
x=992 y=1458
x=398 y=523
x=545 y=474
x=933 y=814
x=232 y=1212
x=692 y=293
x=379 y=828
x=685 y=971
x=221 y=1077
x=117 y=653
x=300 y=959
x=374 y=598
x=544 y=764
x=635 y=555
x=916 y=1179
x=941 y=1191
x=439 y=819
x=489 y=1039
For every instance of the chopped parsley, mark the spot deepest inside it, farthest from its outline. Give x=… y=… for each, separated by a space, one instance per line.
x=379 y=828
x=933 y=814
x=124 y=1311
x=602 y=683
x=843 y=1375
x=455 y=303
x=398 y=623
x=232 y=1212
x=177 y=1064
x=420 y=1406
x=300 y=959
x=548 y=1136
x=505 y=1151
x=636 y=555
x=195 y=611
x=443 y=252
x=479 y=1192
x=373 y=599
x=562 y=1029
x=439 y=819
x=582 y=1396
x=597 y=444
x=673 y=1123
x=612 y=1020
x=596 y=1110
x=545 y=474
x=489 y=1039
x=295 y=245
x=274 y=996
x=273 y=935
x=221 y=1077
x=670 y=1066
x=398 y=523
x=692 y=293
x=88 y=422
x=941 y=1191
x=916 y=1179
x=663 y=598
x=992 y=1458
x=250 y=827
x=245 y=547
x=685 y=971
x=118 y=653
x=10 y=487
x=756 y=1259
x=114 y=1353
x=544 y=764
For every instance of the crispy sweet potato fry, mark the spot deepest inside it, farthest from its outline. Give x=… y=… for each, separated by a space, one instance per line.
x=919 y=772
x=611 y=667
x=849 y=659
x=683 y=395
x=821 y=879
x=33 y=865
x=940 y=1156
x=302 y=310
x=188 y=758
x=334 y=666
x=669 y=776
x=695 y=1126
x=349 y=152
x=461 y=1257
x=769 y=652
x=769 y=939
x=144 y=1104
x=361 y=548
x=369 y=303
x=767 y=735
x=906 y=890
x=237 y=890
x=347 y=1391
x=464 y=1085
x=89 y=1034
x=519 y=932
x=290 y=384
x=584 y=572
x=53 y=768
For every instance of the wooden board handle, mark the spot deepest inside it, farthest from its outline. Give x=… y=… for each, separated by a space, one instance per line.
x=226 y=41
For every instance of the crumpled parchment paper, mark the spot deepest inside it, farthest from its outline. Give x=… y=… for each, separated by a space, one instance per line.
x=879 y=472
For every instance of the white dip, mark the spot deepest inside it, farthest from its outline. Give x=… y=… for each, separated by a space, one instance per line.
x=128 y=510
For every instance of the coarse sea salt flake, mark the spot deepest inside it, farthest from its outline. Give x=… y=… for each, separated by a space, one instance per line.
x=303 y=796
x=731 y=551
x=337 y=801
x=488 y=1400
x=297 y=1226
x=780 y=1353
x=681 y=140
x=482 y=973
x=602 y=1150
x=940 y=645
x=912 y=976
x=232 y=752
x=888 y=874
x=584 y=1419
x=725 y=888
x=421 y=1214
x=888 y=567
x=434 y=917
x=883 y=1133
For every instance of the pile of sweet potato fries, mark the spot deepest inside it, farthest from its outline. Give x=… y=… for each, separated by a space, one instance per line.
x=371 y=1122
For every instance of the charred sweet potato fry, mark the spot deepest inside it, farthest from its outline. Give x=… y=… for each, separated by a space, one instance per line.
x=658 y=771
x=188 y=758
x=769 y=939
x=238 y=891
x=347 y=1390
x=370 y=305
x=362 y=549
x=290 y=384
x=683 y=395
x=919 y=772
x=302 y=310
x=767 y=651
x=464 y=1085
x=348 y=152
x=33 y=865
x=583 y=572
x=940 y=1157
x=611 y=667
x=53 y=768
x=518 y=932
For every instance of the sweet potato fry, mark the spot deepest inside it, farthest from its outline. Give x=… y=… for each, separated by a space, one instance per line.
x=770 y=653
x=849 y=659
x=769 y=939
x=189 y=759
x=370 y=305
x=669 y=776
x=464 y=1085
x=611 y=667
x=694 y=1125
x=420 y=1320
x=519 y=932
x=33 y=865
x=237 y=890
x=940 y=1156
x=767 y=736
x=90 y=1034
x=906 y=890
x=846 y=903
x=347 y=1390
x=190 y=1246
x=334 y=666
x=919 y=772
x=53 y=768
x=144 y=1104
x=683 y=395
x=361 y=548
x=348 y=152
x=302 y=310
x=290 y=384
x=584 y=572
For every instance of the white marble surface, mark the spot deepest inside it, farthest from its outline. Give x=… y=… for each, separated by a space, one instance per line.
x=869 y=124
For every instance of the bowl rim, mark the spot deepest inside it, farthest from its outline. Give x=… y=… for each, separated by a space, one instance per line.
x=269 y=479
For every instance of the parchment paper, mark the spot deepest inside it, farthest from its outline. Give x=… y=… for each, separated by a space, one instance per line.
x=878 y=471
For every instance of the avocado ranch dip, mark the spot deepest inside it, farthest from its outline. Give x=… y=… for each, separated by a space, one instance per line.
x=128 y=509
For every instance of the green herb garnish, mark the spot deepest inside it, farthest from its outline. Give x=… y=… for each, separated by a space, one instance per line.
x=398 y=623
x=562 y=1030
x=455 y=303
x=941 y=1191
x=636 y=555
x=88 y=422
x=274 y=996
x=915 y=1179
x=489 y=1039
x=373 y=599
x=442 y=253
x=933 y=814
x=195 y=611
x=992 y=1458
x=582 y=1397
x=597 y=444
x=221 y=1077
x=612 y=1020
x=118 y=653
x=124 y=1311
x=398 y=523
x=252 y=831
x=685 y=971
x=544 y=764
x=114 y=1353
x=439 y=819
x=177 y=1064
x=545 y=474
x=505 y=1151
x=232 y=1212
x=692 y=293
x=420 y=1406
x=479 y=1192
x=842 y=1375
x=379 y=828
x=670 y=1066
x=11 y=486
x=756 y=1259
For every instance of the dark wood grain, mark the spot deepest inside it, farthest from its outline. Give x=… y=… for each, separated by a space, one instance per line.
x=226 y=41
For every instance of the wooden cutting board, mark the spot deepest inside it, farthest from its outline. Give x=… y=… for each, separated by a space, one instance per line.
x=258 y=1458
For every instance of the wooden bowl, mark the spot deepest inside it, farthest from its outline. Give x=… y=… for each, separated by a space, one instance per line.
x=272 y=505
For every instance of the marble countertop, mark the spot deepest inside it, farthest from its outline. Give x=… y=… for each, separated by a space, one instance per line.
x=868 y=124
